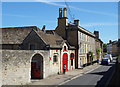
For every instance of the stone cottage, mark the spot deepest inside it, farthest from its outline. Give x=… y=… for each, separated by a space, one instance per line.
x=29 y=53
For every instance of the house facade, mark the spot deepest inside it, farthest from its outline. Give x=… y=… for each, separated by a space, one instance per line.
x=77 y=36
x=112 y=48
x=98 y=45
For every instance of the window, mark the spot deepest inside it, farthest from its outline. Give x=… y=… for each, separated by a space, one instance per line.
x=71 y=62
x=83 y=37
x=54 y=58
x=80 y=36
x=32 y=46
x=72 y=56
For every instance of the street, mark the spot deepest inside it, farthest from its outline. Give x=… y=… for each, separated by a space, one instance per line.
x=98 y=77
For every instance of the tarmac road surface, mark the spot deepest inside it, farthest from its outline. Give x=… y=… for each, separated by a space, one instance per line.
x=98 y=77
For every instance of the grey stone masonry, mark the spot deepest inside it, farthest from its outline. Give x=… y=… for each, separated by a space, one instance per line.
x=16 y=66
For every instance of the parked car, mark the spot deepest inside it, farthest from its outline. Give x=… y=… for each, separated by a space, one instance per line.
x=105 y=61
x=109 y=56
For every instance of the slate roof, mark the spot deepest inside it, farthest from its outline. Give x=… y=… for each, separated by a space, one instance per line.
x=74 y=27
x=15 y=35
x=54 y=40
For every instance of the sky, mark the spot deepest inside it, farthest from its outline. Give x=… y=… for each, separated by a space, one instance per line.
x=100 y=16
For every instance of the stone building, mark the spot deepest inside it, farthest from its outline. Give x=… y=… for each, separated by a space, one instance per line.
x=29 y=53
x=77 y=36
x=98 y=44
x=112 y=48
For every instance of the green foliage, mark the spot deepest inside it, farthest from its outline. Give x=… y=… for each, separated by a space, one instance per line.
x=104 y=45
x=103 y=54
x=98 y=50
x=90 y=52
x=92 y=56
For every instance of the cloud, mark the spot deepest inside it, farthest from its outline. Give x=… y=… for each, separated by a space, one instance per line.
x=15 y=15
x=61 y=0
x=99 y=24
x=50 y=3
x=79 y=9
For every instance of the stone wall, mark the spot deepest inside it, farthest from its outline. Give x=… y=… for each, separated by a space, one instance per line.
x=16 y=66
x=0 y=68
x=61 y=28
x=72 y=36
x=55 y=66
x=10 y=46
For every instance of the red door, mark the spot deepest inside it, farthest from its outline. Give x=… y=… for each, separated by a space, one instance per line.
x=35 y=70
x=65 y=61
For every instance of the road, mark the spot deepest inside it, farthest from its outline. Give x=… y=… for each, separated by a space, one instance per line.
x=98 y=77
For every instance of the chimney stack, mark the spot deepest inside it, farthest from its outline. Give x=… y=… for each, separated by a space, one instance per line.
x=65 y=12
x=43 y=29
x=110 y=41
x=76 y=22
x=60 y=12
x=96 y=34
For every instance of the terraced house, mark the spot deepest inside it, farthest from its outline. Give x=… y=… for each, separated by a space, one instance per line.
x=83 y=40
x=30 y=53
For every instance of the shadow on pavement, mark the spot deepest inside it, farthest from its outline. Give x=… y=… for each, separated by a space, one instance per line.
x=106 y=75
x=98 y=73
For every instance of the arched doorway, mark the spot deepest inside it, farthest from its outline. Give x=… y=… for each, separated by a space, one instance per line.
x=37 y=67
x=65 y=61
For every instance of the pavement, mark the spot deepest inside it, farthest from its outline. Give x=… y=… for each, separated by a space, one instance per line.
x=61 y=78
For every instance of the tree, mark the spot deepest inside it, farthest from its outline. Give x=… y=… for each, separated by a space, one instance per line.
x=98 y=50
x=104 y=47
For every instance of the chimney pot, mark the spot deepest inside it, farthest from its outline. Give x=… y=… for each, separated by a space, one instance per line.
x=60 y=12
x=65 y=12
